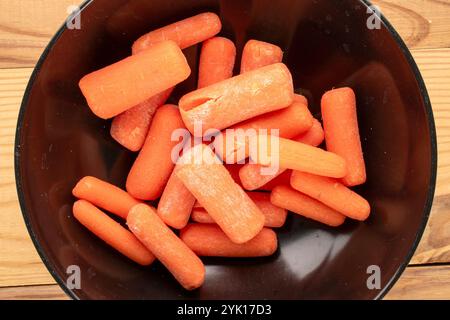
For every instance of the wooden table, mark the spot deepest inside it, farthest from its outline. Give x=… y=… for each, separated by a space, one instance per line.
x=26 y=26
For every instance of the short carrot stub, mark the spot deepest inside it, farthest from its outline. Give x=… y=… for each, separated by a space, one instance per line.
x=104 y=195
x=131 y=127
x=124 y=84
x=332 y=193
x=111 y=232
x=154 y=164
x=173 y=253
x=209 y=240
x=237 y=99
x=217 y=60
x=340 y=123
x=212 y=185
x=306 y=206
x=314 y=136
x=257 y=54
x=184 y=33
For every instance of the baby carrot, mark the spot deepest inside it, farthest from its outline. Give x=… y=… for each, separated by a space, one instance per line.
x=298 y=156
x=226 y=202
x=173 y=253
x=104 y=195
x=306 y=206
x=185 y=33
x=251 y=176
x=124 y=84
x=111 y=232
x=333 y=194
x=154 y=165
x=340 y=123
x=131 y=127
x=216 y=61
x=300 y=99
x=176 y=203
x=210 y=241
x=257 y=54
x=238 y=99
x=291 y=121
x=275 y=217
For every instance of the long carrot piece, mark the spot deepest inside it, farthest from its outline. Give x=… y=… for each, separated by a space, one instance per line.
x=306 y=206
x=124 y=84
x=275 y=217
x=105 y=196
x=176 y=203
x=216 y=61
x=291 y=121
x=173 y=253
x=226 y=202
x=257 y=54
x=238 y=99
x=333 y=194
x=111 y=232
x=210 y=241
x=154 y=164
x=340 y=123
x=185 y=33
x=131 y=127
x=251 y=176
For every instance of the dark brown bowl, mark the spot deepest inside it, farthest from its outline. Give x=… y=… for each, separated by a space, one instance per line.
x=327 y=44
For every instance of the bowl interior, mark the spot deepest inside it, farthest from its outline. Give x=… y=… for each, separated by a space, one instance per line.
x=327 y=44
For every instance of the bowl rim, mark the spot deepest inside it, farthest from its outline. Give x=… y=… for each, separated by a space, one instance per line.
x=431 y=127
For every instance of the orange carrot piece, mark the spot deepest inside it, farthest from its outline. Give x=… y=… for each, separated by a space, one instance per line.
x=176 y=203
x=283 y=179
x=185 y=33
x=238 y=99
x=111 y=232
x=226 y=202
x=131 y=127
x=340 y=123
x=257 y=54
x=275 y=217
x=124 y=84
x=210 y=241
x=216 y=61
x=173 y=253
x=250 y=174
x=291 y=121
x=154 y=165
x=332 y=193
x=306 y=206
x=105 y=195
x=300 y=99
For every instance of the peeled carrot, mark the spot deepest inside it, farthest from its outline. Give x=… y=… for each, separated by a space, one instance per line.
x=251 y=175
x=210 y=241
x=333 y=194
x=257 y=54
x=300 y=99
x=131 y=127
x=306 y=206
x=226 y=202
x=216 y=61
x=124 y=84
x=275 y=217
x=176 y=203
x=111 y=232
x=104 y=195
x=185 y=33
x=238 y=99
x=173 y=253
x=340 y=123
x=282 y=180
x=154 y=164
x=289 y=154
x=291 y=121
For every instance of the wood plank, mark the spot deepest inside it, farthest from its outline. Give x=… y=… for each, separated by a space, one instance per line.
x=46 y=292
x=27 y=26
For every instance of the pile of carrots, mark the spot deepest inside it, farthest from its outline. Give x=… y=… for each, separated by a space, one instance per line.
x=220 y=210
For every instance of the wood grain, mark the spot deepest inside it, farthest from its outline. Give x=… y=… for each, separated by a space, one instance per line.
x=45 y=292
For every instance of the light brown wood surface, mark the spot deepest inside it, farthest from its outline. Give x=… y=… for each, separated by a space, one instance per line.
x=25 y=29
